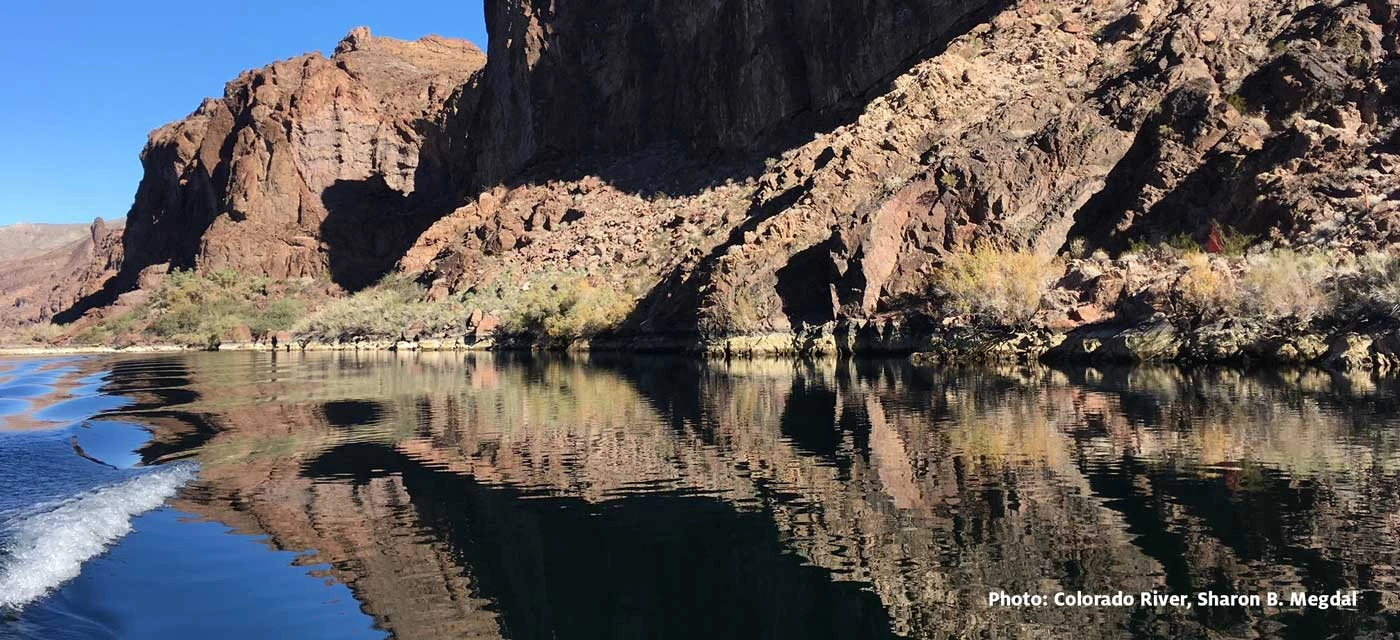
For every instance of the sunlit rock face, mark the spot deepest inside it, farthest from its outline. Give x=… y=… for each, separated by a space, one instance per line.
x=449 y=490
x=285 y=174
x=763 y=167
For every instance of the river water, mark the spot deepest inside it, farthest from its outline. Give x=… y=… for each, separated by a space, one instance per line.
x=345 y=495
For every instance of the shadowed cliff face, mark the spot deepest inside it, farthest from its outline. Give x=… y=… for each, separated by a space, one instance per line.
x=572 y=78
x=539 y=497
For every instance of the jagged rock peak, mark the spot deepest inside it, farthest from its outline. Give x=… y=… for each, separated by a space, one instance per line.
x=353 y=41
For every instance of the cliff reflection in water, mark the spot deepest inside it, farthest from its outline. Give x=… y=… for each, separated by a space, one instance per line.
x=534 y=497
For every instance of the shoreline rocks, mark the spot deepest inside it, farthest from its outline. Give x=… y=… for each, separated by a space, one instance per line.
x=1153 y=341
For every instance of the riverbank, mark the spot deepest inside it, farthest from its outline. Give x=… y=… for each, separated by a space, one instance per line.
x=1157 y=339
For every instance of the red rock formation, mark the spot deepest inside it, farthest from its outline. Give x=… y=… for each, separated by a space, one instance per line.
x=284 y=175
x=1107 y=121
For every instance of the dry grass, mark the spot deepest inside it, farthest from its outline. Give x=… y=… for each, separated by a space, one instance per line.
x=1370 y=287
x=998 y=286
x=1206 y=287
x=1284 y=283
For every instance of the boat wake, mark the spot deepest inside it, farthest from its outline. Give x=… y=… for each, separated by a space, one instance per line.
x=48 y=546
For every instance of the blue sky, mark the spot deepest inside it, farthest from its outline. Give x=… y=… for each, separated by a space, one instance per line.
x=86 y=81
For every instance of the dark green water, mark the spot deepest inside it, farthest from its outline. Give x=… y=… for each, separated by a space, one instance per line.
x=471 y=496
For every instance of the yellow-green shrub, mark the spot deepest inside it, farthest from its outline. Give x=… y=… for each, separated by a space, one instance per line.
x=205 y=308
x=393 y=308
x=996 y=285
x=565 y=306
x=1205 y=287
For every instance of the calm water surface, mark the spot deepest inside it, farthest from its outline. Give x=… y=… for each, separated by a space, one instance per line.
x=472 y=496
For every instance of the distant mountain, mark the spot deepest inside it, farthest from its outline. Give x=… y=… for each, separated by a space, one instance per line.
x=29 y=239
x=46 y=268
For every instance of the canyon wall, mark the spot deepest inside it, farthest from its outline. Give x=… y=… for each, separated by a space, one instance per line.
x=565 y=79
x=1106 y=121
x=749 y=168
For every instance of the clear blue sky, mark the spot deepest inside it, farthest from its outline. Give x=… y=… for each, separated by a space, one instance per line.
x=86 y=81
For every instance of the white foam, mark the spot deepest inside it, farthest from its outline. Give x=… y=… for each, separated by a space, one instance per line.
x=49 y=547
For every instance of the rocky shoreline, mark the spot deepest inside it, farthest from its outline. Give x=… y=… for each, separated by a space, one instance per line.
x=1154 y=341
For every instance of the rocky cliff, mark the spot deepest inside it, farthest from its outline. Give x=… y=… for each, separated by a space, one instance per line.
x=311 y=166
x=748 y=168
x=568 y=79
x=1107 y=121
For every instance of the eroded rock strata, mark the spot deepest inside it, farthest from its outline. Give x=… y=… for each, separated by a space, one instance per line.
x=1104 y=120
x=308 y=167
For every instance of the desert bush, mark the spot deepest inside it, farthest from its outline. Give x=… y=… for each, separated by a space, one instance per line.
x=204 y=308
x=1284 y=283
x=1183 y=244
x=1232 y=241
x=1240 y=104
x=1206 y=287
x=1370 y=287
x=565 y=306
x=1078 y=248
x=1159 y=248
x=39 y=333
x=395 y=307
x=997 y=285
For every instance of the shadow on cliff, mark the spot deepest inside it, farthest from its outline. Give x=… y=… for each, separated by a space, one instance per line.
x=675 y=300
x=368 y=227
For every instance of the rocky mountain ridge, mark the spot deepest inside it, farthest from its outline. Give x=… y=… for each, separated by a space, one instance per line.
x=27 y=239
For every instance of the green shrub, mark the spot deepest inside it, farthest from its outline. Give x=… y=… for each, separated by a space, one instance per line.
x=206 y=308
x=1232 y=242
x=1239 y=103
x=1183 y=244
x=202 y=308
x=998 y=286
x=565 y=306
x=1141 y=247
x=279 y=315
x=393 y=308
